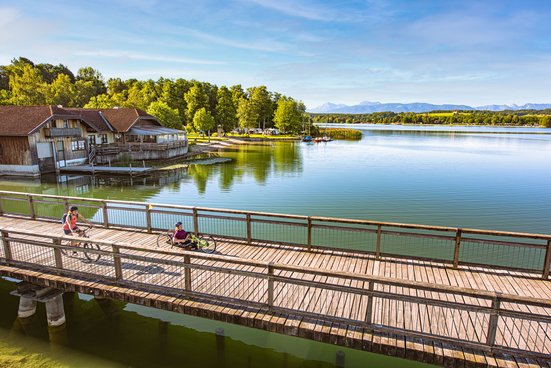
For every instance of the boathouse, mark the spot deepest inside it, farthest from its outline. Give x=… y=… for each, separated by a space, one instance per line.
x=42 y=139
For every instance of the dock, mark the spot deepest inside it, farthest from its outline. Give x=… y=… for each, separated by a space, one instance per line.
x=446 y=312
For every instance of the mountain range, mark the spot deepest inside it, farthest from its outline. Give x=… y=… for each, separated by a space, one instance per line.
x=367 y=107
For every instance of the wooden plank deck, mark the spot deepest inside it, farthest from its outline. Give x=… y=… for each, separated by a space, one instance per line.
x=428 y=318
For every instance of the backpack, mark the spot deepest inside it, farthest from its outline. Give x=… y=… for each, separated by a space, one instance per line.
x=64 y=218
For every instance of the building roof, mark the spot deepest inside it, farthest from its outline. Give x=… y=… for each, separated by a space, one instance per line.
x=25 y=120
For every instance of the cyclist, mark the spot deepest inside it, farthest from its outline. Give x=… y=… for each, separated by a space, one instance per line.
x=70 y=224
x=181 y=238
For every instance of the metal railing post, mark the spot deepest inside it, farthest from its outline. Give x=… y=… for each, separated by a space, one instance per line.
x=270 y=285
x=57 y=254
x=148 y=217
x=457 y=247
x=7 y=248
x=195 y=221
x=117 y=262
x=187 y=273
x=492 y=325
x=31 y=207
x=104 y=210
x=249 y=229
x=378 y=246
x=547 y=262
x=309 y=233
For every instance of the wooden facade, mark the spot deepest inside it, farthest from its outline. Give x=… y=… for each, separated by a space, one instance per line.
x=15 y=151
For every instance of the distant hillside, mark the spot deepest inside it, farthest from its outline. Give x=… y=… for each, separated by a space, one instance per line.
x=367 y=107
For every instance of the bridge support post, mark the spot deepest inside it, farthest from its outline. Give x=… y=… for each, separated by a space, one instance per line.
x=457 y=247
x=195 y=221
x=6 y=245
x=148 y=217
x=369 y=310
x=249 y=229
x=309 y=233
x=339 y=359
x=187 y=273
x=55 y=313
x=27 y=307
x=492 y=325
x=31 y=207
x=270 y=285
x=117 y=262
x=378 y=246
x=547 y=262
x=105 y=215
x=57 y=254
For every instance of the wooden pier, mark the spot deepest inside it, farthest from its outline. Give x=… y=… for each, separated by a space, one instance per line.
x=450 y=312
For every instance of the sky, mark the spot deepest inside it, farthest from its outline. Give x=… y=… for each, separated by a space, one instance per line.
x=340 y=51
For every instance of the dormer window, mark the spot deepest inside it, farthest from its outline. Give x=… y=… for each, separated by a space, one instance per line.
x=66 y=123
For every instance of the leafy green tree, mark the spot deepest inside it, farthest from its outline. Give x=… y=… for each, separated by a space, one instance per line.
x=61 y=92
x=27 y=88
x=236 y=94
x=203 y=121
x=103 y=101
x=288 y=115
x=116 y=85
x=545 y=121
x=5 y=97
x=247 y=114
x=168 y=116
x=141 y=95
x=262 y=102
x=172 y=92
x=196 y=99
x=226 y=113
x=90 y=74
x=84 y=91
x=51 y=72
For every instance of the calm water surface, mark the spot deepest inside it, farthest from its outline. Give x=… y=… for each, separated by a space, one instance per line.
x=467 y=178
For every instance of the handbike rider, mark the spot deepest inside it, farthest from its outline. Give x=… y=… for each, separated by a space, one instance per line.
x=181 y=238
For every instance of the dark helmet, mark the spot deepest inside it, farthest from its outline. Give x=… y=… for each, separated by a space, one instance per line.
x=179 y=223
x=73 y=208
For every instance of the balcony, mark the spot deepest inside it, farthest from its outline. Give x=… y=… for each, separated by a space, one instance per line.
x=62 y=132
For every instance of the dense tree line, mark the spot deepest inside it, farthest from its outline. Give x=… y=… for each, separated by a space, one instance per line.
x=506 y=118
x=175 y=102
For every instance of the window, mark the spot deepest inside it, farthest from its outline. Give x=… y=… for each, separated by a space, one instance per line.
x=66 y=123
x=103 y=138
x=92 y=140
x=78 y=145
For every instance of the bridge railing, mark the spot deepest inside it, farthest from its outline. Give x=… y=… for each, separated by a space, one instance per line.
x=456 y=246
x=481 y=320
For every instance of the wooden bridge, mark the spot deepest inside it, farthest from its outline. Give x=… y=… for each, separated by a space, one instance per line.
x=448 y=296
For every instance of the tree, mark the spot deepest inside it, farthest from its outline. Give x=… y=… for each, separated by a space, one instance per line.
x=28 y=87
x=84 y=92
x=61 y=92
x=90 y=74
x=545 y=121
x=288 y=115
x=168 y=116
x=247 y=114
x=196 y=99
x=203 y=121
x=226 y=112
x=51 y=72
x=103 y=101
x=262 y=102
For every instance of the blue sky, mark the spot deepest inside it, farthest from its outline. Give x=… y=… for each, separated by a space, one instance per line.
x=441 y=51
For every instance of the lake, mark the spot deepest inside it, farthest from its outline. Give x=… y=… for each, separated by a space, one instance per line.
x=476 y=177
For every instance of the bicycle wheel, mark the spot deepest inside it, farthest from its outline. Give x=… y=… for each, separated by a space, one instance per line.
x=93 y=257
x=206 y=244
x=164 y=238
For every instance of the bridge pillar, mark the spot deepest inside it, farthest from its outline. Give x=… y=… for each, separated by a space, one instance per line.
x=55 y=314
x=27 y=307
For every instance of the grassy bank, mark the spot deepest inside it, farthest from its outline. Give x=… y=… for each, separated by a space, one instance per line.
x=342 y=133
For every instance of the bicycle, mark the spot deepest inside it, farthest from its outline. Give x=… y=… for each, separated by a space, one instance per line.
x=92 y=257
x=204 y=243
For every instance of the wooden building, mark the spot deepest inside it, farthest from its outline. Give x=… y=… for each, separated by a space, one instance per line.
x=42 y=139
